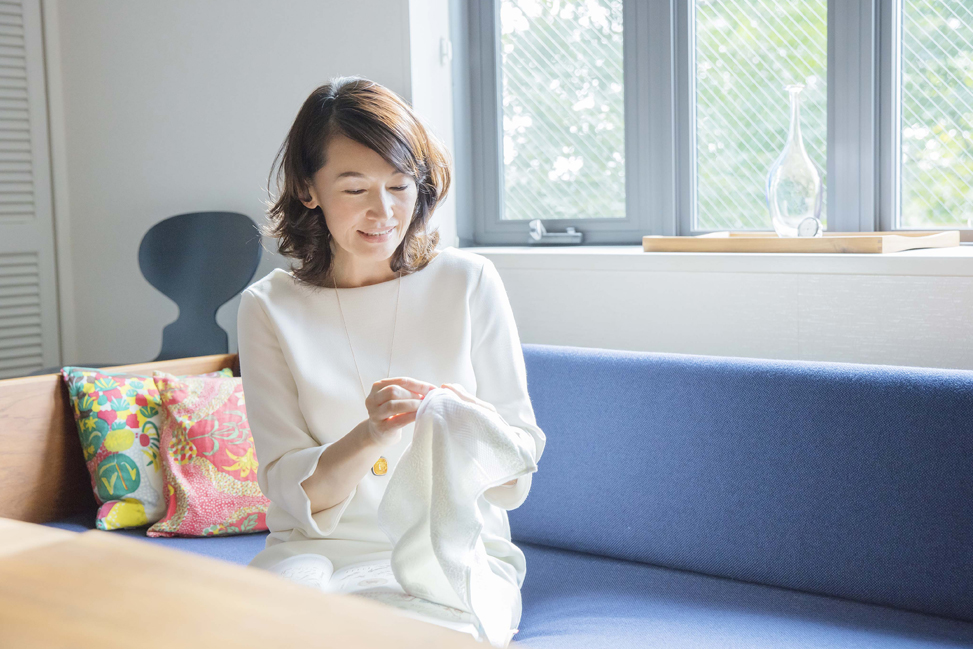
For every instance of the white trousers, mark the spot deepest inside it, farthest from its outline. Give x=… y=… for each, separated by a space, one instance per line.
x=372 y=580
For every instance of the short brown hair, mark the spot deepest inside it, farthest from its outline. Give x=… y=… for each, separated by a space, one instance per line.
x=376 y=117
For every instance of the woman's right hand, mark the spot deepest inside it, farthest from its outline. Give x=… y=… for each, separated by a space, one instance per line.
x=392 y=404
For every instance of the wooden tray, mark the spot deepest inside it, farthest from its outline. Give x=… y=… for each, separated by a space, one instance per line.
x=830 y=242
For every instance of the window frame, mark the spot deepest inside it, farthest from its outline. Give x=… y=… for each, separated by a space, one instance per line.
x=889 y=97
x=485 y=158
x=660 y=149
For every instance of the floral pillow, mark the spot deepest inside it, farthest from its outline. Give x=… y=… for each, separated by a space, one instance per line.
x=209 y=459
x=118 y=420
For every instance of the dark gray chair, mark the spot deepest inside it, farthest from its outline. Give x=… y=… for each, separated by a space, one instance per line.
x=200 y=261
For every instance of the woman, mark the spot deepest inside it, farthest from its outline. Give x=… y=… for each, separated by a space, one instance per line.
x=337 y=354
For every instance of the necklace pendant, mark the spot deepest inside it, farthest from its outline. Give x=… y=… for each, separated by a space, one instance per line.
x=380 y=467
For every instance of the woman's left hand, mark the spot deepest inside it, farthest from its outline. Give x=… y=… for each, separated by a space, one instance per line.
x=466 y=396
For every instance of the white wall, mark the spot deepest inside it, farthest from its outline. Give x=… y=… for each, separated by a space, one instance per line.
x=161 y=108
x=431 y=82
x=909 y=308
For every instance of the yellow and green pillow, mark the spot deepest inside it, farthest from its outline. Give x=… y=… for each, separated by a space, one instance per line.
x=118 y=417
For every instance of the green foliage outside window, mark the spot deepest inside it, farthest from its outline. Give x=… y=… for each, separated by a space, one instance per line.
x=563 y=107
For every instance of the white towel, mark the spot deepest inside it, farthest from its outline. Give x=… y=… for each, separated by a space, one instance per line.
x=447 y=546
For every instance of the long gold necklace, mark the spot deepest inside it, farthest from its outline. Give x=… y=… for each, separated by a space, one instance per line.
x=381 y=466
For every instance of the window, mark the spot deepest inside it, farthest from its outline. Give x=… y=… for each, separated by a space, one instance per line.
x=563 y=109
x=936 y=135
x=746 y=52
x=626 y=118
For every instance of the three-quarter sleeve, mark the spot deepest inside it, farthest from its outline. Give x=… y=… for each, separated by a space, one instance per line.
x=501 y=375
x=286 y=453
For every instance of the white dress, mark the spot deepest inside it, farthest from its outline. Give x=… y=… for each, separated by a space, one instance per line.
x=303 y=393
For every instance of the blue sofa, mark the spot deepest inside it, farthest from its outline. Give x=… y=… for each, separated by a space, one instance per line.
x=701 y=501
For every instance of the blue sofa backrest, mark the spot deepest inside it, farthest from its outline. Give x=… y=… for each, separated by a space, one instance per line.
x=848 y=480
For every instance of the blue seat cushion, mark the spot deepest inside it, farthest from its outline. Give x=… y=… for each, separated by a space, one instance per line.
x=239 y=548
x=574 y=600
x=577 y=600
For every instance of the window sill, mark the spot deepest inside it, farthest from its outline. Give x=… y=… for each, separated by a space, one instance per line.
x=953 y=261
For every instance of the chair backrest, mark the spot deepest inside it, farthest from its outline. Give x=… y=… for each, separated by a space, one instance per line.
x=200 y=261
x=848 y=480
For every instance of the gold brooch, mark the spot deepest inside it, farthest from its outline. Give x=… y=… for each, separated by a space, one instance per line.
x=380 y=467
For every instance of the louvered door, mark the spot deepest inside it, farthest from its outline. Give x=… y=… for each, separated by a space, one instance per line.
x=29 y=335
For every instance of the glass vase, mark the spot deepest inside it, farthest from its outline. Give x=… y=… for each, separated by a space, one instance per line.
x=794 y=189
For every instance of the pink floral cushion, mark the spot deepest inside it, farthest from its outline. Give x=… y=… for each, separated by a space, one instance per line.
x=118 y=420
x=209 y=459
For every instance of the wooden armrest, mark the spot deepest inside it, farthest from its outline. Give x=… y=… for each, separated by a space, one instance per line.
x=42 y=471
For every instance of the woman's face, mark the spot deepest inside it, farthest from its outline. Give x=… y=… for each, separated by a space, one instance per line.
x=360 y=194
